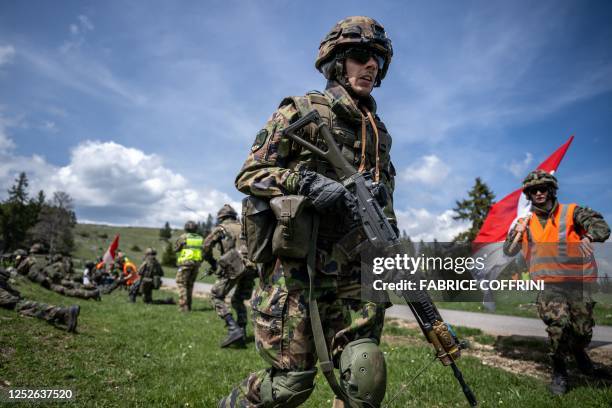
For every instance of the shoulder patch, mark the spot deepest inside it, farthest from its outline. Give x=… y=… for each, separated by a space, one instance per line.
x=260 y=140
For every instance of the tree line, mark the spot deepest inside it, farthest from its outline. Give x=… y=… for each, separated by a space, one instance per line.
x=25 y=220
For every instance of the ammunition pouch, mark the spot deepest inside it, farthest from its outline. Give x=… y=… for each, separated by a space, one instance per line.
x=231 y=264
x=292 y=235
x=286 y=389
x=258 y=224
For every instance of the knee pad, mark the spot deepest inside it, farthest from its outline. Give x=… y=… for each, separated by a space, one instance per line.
x=286 y=388
x=363 y=373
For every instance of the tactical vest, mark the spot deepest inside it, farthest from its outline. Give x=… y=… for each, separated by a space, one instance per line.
x=347 y=131
x=553 y=252
x=192 y=250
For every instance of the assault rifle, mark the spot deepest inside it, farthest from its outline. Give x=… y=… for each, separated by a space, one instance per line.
x=381 y=235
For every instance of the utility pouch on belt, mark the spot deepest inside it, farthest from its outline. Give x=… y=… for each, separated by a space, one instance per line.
x=258 y=224
x=294 y=216
x=231 y=263
x=157 y=282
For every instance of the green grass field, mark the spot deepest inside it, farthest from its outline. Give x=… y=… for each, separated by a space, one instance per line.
x=150 y=355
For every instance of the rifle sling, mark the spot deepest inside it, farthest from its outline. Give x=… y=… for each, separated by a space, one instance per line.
x=326 y=365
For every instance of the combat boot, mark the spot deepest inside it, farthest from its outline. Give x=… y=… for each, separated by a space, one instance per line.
x=584 y=363
x=234 y=332
x=97 y=296
x=558 y=384
x=72 y=315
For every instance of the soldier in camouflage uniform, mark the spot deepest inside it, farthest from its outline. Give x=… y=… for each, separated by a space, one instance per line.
x=235 y=273
x=150 y=273
x=354 y=58
x=189 y=249
x=565 y=305
x=11 y=299
x=50 y=275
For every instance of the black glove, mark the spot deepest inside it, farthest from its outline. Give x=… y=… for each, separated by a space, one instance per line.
x=322 y=191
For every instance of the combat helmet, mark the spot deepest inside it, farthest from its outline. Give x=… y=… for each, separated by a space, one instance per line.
x=151 y=251
x=20 y=252
x=539 y=178
x=191 y=226
x=356 y=31
x=226 y=212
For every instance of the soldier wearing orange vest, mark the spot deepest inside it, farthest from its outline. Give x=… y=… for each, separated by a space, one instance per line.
x=555 y=240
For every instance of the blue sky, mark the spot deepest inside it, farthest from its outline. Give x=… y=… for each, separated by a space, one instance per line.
x=145 y=111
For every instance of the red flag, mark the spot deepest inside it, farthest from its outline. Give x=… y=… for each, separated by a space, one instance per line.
x=514 y=205
x=109 y=256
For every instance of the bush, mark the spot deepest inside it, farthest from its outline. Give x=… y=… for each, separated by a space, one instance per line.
x=103 y=235
x=169 y=256
x=136 y=248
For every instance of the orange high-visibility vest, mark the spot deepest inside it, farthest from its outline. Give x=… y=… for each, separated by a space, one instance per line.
x=100 y=265
x=553 y=252
x=130 y=272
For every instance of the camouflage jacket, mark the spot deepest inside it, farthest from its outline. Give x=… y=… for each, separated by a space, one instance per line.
x=226 y=235
x=272 y=167
x=34 y=262
x=587 y=219
x=150 y=268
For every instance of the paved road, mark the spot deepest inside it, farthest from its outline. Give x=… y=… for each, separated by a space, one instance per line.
x=497 y=325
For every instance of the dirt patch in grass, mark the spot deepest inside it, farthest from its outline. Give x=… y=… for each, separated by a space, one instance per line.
x=518 y=355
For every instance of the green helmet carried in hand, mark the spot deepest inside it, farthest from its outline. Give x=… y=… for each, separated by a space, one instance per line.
x=357 y=31
x=539 y=178
x=363 y=373
x=191 y=226
x=226 y=212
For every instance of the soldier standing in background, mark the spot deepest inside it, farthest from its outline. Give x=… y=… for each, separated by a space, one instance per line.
x=233 y=272
x=556 y=242
x=150 y=273
x=189 y=249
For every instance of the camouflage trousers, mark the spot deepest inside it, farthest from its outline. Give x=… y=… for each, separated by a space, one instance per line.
x=243 y=289
x=66 y=288
x=568 y=318
x=50 y=313
x=281 y=321
x=185 y=278
x=77 y=292
x=146 y=288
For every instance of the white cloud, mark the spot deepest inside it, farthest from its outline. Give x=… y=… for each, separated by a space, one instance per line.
x=112 y=183
x=519 y=168
x=85 y=22
x=428 y=170
x=77 y=34
x=420 y=223
x=7 y=52
x=6 y=143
